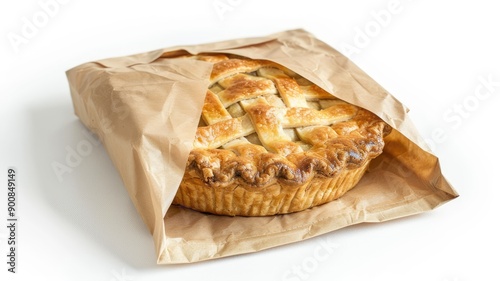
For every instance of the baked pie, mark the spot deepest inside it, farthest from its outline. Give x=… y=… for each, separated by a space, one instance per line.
x=271 y=142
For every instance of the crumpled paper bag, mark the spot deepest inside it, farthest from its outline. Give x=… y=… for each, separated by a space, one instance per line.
x=145 y=109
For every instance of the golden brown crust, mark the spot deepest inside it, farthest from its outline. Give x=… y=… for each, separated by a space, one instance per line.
x=274 y=143
x=257 y=167
x=241 y=87
x=229 y=67
x=272 y=199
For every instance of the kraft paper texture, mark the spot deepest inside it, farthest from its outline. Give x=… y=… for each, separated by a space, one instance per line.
x=145 y=109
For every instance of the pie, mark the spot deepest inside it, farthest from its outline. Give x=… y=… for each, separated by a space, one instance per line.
x=271 y=142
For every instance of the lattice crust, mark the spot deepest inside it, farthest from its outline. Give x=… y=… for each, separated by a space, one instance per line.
x=263 y=124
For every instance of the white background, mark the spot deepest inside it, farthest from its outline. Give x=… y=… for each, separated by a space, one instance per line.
x=431 y=55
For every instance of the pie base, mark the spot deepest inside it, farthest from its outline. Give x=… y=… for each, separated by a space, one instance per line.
x=276 y=198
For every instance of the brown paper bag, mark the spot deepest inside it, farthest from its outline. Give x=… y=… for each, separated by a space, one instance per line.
x=145 y=109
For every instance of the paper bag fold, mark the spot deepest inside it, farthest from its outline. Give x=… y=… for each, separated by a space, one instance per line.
x=145 y=109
